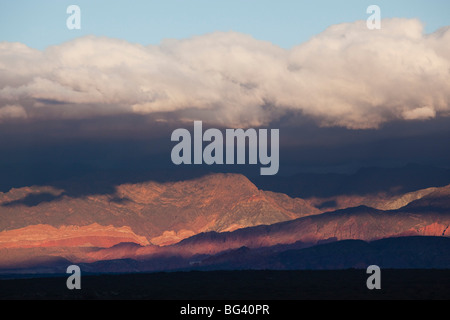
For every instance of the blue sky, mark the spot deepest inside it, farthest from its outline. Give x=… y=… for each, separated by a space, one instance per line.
x=285 y=23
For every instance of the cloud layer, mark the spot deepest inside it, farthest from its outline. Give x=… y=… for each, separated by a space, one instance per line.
x=347 y=76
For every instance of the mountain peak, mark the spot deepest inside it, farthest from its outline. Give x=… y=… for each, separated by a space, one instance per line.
x=163 y=213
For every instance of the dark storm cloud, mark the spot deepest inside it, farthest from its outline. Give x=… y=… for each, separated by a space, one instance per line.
x=136 y=143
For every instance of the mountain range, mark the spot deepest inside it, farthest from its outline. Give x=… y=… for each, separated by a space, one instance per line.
x=221 y=221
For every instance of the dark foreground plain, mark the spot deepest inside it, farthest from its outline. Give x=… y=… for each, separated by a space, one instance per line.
x=237 y=285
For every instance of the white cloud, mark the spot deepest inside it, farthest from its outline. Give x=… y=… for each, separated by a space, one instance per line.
x=346 y=76
x=12 y=112
x=419 y=114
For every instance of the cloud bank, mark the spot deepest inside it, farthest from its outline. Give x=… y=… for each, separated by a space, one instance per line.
x=346 y=76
